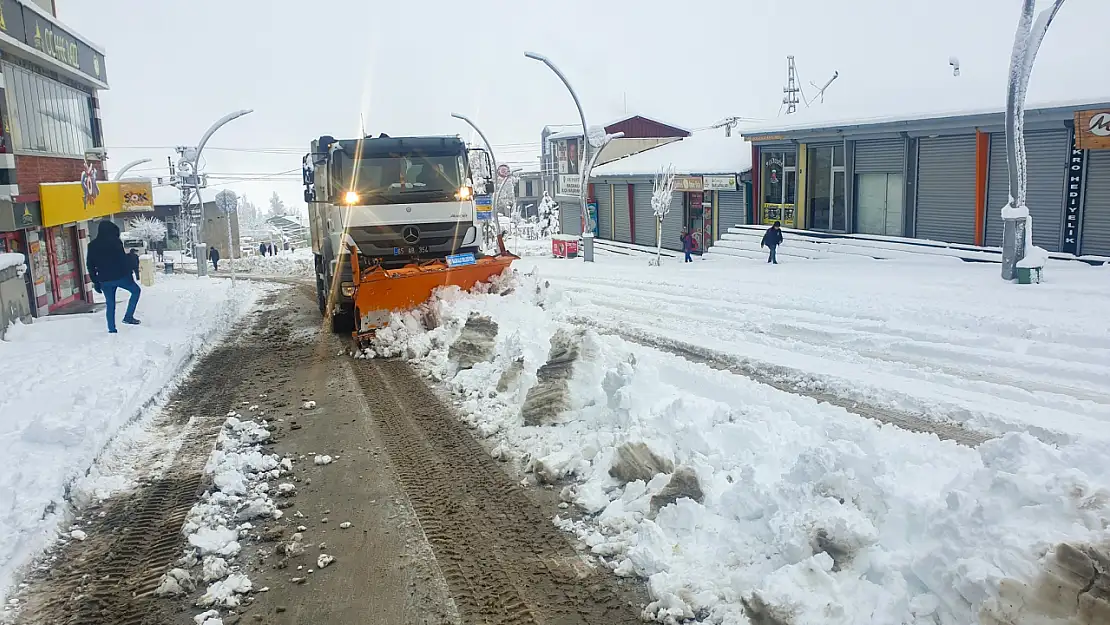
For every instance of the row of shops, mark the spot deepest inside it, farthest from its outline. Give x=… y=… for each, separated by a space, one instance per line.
x=942 y=178
x=939 y=177
x=51 y=141
x=712 y=184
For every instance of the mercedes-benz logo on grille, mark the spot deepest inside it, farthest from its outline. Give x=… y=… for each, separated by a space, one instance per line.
x=411 y=234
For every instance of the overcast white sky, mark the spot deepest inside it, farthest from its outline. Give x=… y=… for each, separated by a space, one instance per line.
x=310 y=68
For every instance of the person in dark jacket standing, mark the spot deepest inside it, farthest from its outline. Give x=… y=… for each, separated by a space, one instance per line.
x=772 y=239
x=261 y=249
x=687 y=244
x=133 y=262
x=214 y=256
x=110 y=269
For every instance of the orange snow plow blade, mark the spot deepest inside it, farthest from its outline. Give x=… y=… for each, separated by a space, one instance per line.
x=380 y=292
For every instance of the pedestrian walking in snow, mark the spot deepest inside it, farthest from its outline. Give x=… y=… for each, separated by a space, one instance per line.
x=133 y=262
x=687 y=239
x=772 y=239
x=214 y=256
x=261 y=249
x=109 y=268
x=273 y=250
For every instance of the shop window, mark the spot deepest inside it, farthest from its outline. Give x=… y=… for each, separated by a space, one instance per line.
x=827 y=206
x=879 y=204
x=46 y=115
x=779 y=171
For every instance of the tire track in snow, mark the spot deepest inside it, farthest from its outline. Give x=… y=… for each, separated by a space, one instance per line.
x=504 y=561
x=134 y=537
x=782 y=380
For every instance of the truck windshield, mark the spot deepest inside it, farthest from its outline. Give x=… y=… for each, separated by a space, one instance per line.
x=395 y=180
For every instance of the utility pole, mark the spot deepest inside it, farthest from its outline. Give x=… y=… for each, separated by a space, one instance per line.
x=1016 y=231
x=791 y=89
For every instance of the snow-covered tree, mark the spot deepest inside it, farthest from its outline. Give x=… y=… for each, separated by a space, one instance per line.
x=148 y=229
x=549 y=216
x=661 y=194
x=248 y=212
x=277 y=206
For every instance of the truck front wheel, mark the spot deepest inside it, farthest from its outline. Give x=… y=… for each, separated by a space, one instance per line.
x=343 y=321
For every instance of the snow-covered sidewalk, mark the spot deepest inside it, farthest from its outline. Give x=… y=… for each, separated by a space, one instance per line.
x=70 y=386
x=737 y=500
x=936 y=336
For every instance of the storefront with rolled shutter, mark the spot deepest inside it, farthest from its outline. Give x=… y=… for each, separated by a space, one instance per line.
x=1094 y=230
x=945 y=209
x=604 y=193
x=1046 y=152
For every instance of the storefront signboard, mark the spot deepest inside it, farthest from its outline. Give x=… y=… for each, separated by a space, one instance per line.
x=570 y=184
x=1092 y=130
x=136 y=196
x=19 y=215
x=719 y=183
x=688 y=183
x=29 y=27
x=1076 y=168
x=64 y=202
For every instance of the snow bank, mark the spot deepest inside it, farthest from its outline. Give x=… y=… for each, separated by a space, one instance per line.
x=801 y=510
x=296 y=263
x=71 y=386
x=939 y=337
x=240 y=474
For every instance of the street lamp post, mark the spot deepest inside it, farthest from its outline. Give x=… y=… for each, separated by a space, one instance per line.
x=584 y=185
x=191 y=157
x=493 y=160
x=1016 y=230
x=123 y=170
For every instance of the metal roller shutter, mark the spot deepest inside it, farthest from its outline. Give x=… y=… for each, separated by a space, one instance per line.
x=732 y=209
x=622 y=226
x=880 y=156
x=604 y=210
x=1047 y=153
x=673 y=223
x=945 y=208
x=570 y=218
x=1094 y=233
x=645 y=218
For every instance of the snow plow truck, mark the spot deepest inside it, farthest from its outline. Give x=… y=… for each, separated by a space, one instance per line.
x=391 y=219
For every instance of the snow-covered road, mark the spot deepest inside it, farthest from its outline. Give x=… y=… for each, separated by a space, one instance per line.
x=938 y=336
x=70 y=387
x=760 y=505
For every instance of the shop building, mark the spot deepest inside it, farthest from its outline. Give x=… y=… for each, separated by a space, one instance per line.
x=939 y=177
x=529 y=192
x=561 y=156
x=712 y=189
x=50 y=118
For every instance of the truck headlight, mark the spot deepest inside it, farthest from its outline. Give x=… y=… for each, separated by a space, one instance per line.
x=464 y=193
x=350 y=198
x=348 y=289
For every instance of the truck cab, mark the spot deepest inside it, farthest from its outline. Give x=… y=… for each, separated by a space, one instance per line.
x=397 y=200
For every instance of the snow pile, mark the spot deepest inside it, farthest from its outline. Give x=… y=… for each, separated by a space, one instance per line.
x=71 y=387
x=296 y=263
x=10 y=259
x=240 y=474
x=737 y=501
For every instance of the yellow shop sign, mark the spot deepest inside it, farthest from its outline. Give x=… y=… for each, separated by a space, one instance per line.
x=65 y=202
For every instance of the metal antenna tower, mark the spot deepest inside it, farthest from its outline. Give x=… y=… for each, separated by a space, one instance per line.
x=189 y=182
x=791 y=89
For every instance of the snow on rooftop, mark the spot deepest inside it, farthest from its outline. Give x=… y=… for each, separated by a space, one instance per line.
x=705 y=152
x=816 y=118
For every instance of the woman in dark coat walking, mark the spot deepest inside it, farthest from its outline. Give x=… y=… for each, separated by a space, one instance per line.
x=771 y=240
x=110 y=269
x=214 y=256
